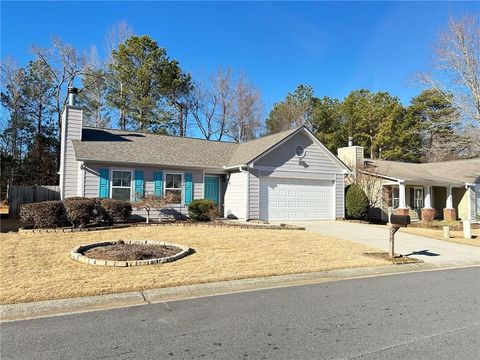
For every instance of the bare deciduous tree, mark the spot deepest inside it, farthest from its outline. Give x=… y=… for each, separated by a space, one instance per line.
x=456 y=65
x=65 y=65
x=116 y=35
x=213 y=105
x=94 y=89
x=227 y=105
x=371 y=184
x=151 y=202
x=13 y=100
x=225 y=92
x=204 y=109
x=248 y=111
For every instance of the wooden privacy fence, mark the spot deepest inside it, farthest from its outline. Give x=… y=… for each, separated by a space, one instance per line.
x=19 y=195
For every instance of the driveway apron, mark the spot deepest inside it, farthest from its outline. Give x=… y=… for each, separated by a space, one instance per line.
x=420 y=247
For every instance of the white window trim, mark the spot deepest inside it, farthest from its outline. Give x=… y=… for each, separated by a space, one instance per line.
x=132 y=181
x=182 y=185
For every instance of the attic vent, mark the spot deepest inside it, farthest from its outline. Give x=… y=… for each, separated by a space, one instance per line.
x=300 y=151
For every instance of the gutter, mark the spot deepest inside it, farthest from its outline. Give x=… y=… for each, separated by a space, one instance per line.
x=173 y=166
x=235 y=167
x=382 y=176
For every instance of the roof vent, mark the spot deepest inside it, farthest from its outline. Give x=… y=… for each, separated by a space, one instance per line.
x=350 y=141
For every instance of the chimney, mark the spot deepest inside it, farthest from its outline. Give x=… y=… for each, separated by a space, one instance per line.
x=352 y=155
x=350 y=141
x=72 y=95
x=71 y=129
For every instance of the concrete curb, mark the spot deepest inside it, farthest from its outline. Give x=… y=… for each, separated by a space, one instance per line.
x=14 y=312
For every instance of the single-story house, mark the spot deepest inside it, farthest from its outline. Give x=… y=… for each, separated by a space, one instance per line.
x=285 y=176
x=439 y=190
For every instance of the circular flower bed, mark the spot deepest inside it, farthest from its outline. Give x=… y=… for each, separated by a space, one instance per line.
x=129 y=253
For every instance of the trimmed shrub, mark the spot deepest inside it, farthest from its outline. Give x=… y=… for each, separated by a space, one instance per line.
x=202 y=210
x=356 y=202
x=82 y=211
x=26 y=213
x=78 y=211
x=46 y=214
x=116 y=210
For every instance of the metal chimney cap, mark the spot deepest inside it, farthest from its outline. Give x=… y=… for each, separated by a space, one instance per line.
x=350 y=141
x=73 y=90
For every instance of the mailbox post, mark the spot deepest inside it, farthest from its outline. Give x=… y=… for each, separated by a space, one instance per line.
x=396 y=222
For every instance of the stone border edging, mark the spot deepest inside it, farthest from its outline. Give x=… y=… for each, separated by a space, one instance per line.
x=122 y=226
x=77 y=254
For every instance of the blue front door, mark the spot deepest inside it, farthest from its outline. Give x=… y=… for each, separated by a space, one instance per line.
x=211 y=188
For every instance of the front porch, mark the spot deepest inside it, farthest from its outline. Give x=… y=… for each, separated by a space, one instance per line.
x=428 y=202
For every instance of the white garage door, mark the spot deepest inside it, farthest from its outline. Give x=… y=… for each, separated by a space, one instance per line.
x=294 y=199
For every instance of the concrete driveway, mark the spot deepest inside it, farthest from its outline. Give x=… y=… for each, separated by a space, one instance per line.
x=426 y=249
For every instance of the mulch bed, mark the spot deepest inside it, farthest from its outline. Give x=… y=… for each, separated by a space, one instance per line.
x=128 y=252
x=398 y=259
x=219 y=224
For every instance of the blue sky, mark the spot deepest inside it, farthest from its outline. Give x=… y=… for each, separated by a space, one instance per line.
x=335 y=47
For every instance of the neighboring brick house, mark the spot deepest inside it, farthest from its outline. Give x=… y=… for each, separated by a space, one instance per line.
x=443 y=190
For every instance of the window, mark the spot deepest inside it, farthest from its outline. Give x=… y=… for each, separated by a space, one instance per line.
x=121 y=184
x=173 y=186
x=418 y=198
x=395 y=198
x=300 y=151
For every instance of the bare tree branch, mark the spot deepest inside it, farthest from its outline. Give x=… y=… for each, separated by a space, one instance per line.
x=456 y=65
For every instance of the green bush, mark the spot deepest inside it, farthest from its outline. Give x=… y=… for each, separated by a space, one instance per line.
x=46 y=214
x=202 y=210
x=116 y=210
x=82 y=211
x=356 y=202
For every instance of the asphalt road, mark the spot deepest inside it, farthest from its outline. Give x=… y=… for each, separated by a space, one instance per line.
x=424 y=315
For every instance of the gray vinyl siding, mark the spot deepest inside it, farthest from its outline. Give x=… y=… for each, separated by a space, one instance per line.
x=340 y=196
x=253 y=194
x=316 y=159
x=71 y=130
x=283 y=163
x=91 y=182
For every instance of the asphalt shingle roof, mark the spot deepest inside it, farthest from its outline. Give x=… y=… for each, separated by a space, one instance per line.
x=109 y=145
x=456 y=172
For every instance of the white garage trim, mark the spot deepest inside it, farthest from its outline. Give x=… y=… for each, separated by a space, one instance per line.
x=296 y=199
x=272 y=172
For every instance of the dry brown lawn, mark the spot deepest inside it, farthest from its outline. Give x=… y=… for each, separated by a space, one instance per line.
x=38 y=267
x=455 y=236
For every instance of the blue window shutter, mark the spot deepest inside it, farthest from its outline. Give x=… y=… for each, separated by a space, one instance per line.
x=188 y=189
x=158 y=183
x=103 y=183
x=139 y=187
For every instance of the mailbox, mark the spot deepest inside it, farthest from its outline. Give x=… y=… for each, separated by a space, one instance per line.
x=400 y=220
